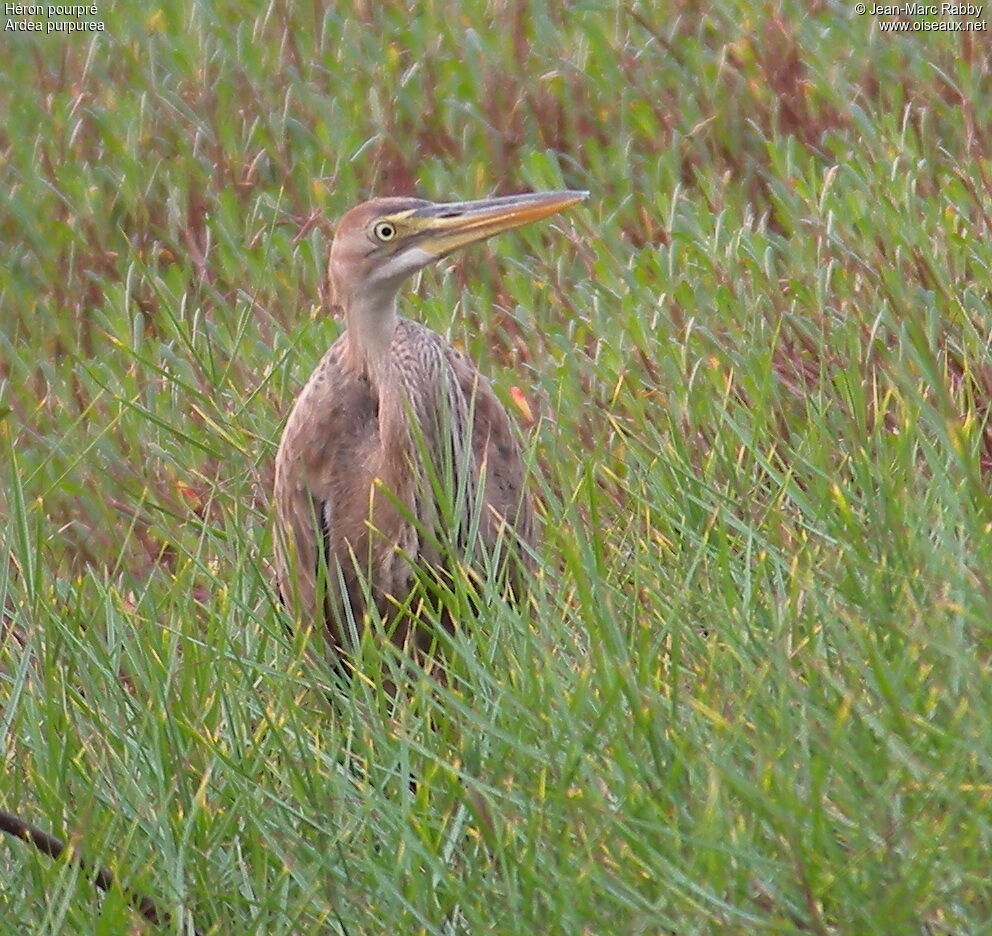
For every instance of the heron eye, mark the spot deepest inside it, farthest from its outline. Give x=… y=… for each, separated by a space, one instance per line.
x=384 y=231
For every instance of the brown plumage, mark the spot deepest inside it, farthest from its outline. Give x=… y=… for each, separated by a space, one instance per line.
x=397 y=455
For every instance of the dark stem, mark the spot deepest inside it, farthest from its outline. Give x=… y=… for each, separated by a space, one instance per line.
x=102 y=878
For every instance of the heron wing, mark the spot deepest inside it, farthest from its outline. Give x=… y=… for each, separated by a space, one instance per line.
x=497 y=455
x=322 y=484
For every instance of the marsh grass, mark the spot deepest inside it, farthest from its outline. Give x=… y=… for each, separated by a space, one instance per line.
x=750 y=691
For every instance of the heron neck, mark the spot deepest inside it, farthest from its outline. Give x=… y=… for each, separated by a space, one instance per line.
x=371 y=323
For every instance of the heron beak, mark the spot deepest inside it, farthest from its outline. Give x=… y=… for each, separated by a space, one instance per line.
x=440 y=229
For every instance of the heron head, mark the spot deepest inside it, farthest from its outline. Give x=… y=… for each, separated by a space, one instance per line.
x=379 y=243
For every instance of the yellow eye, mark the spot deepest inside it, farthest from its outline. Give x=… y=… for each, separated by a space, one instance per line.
x=384 y=231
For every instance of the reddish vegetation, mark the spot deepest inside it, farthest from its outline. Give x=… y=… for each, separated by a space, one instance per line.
x=754 y=82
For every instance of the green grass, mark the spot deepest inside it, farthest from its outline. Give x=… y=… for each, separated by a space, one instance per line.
x=751 y=693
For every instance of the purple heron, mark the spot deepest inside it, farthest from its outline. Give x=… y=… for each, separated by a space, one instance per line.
x=397 y=456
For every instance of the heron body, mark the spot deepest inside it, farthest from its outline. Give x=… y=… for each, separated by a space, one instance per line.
x=397 y=456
